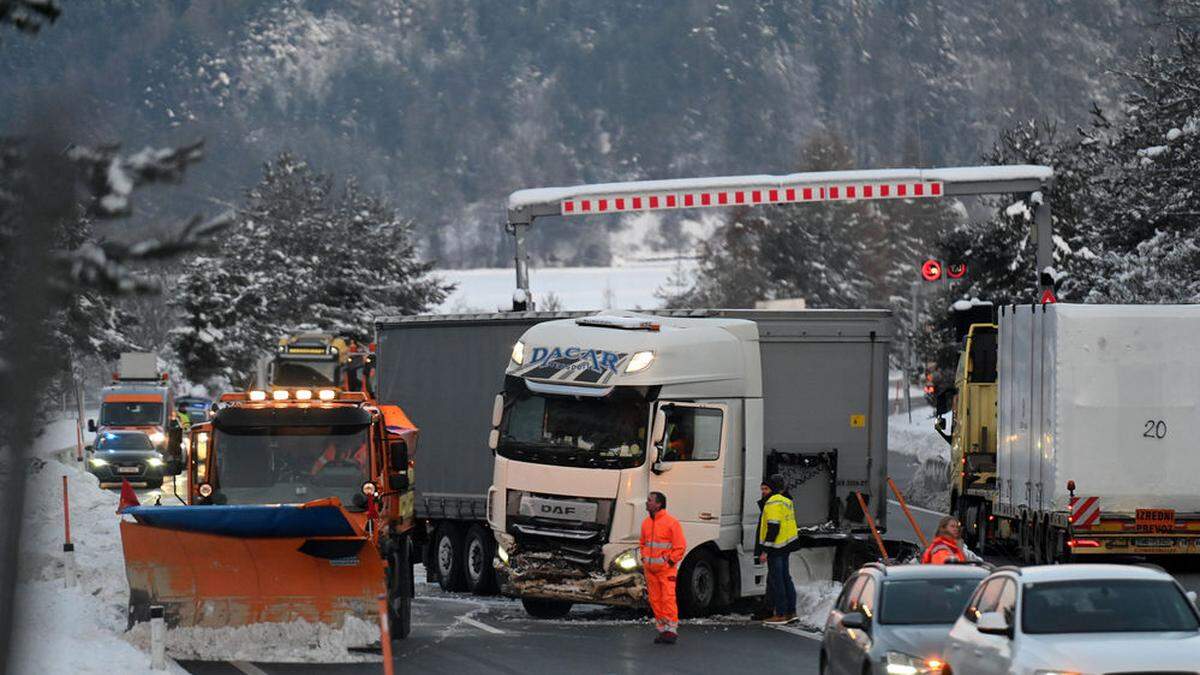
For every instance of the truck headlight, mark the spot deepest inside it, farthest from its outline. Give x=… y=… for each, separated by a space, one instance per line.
x=518 y=353
x=157 y=437
x=96 y=461
x=155 y=462
x=639 y=361
x=502 y=554
x=627 y=561
x=899 y=663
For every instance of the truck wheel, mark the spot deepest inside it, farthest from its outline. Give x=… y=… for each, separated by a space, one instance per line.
x=696 y=584
x=400 y=590
x=479 y=549
x=540 y=608
x=448 y=556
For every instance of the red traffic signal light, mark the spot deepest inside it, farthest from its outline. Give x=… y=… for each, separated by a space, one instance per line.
x=956 y=270
x=931 y=270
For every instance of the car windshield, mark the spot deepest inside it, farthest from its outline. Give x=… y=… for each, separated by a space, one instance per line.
x=925 y=601
x=1106 y=606
x=605 y=432
x=130 y=414
x=282 y=465
x=125 y=442
x=304 y=374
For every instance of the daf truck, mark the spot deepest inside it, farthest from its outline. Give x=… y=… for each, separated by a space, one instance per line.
x=597 y=411
x=1075 y=428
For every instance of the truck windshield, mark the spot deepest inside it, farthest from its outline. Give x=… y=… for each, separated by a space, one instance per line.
x=304 y=374
x=606 y=433
x=1106 y=606
x=126 y=414
x=282 y=465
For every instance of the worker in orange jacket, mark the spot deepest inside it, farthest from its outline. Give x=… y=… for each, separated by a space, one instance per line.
x=662 y=549
x=947 y=546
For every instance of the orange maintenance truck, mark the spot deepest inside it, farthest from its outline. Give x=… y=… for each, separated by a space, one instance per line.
x=140 y=400
x=299 y=504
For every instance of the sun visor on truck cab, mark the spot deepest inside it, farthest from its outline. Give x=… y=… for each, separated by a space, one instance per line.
x=247 y=520
x=239 y=418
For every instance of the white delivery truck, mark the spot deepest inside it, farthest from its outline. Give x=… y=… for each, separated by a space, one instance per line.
x=1099 y=415
x=701 y=405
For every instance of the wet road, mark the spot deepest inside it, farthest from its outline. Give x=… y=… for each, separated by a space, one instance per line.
x=454 y=634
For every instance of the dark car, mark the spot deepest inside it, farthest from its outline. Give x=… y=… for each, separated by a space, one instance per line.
x=126 y=455
x=896 y=619
x=196 y=408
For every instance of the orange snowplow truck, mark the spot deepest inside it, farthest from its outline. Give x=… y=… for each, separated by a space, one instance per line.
x=299 y=506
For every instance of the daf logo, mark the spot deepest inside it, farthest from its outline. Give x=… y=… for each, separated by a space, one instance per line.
x=556 y=510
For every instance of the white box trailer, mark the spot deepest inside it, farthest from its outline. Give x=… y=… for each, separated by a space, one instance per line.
x=1099 y=415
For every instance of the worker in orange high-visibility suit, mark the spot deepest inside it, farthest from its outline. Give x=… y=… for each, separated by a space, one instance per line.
x=662 y=550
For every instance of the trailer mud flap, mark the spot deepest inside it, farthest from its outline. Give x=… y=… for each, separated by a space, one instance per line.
x=213 y=580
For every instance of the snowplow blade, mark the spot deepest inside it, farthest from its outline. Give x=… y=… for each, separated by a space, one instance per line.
x=215 y=566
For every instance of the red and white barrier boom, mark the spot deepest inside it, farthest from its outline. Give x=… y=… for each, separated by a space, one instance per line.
x=1030 y=181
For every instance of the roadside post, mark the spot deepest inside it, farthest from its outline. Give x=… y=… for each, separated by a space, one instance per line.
x=68 y=547
x=158 y=639
x=385 y=636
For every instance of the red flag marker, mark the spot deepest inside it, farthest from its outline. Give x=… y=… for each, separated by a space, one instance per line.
x=128 y=498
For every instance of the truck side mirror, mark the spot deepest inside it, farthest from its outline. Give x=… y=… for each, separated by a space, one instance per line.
x=92 y=425
x=497 y=411
x=175 y=442
x=398 y=481
x=660 y=428
x=943 y=401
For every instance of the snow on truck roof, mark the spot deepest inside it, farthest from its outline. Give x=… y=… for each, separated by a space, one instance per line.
x=950 y=175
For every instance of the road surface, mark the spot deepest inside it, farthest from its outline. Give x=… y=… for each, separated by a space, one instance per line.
x=456 y=634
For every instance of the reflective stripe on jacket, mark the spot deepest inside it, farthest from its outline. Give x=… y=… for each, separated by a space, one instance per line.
x=942 y=549
x=778 y=510
x=662 y=542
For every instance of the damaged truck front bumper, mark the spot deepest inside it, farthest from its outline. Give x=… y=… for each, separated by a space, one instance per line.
x=542 y=574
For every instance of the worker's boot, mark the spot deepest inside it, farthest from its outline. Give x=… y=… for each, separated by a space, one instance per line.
x=669 y=637
x=791 y=618
x=777 y=620
x=658 y=640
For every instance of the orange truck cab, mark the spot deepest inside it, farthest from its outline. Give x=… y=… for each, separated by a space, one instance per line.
x=302 y=500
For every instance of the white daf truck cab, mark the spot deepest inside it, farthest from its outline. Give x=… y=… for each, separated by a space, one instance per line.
x=598 y=411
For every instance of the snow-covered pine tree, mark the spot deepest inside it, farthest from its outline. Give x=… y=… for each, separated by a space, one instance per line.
x=305 y=253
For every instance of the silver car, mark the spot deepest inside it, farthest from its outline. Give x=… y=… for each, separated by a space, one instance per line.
x=895 y=620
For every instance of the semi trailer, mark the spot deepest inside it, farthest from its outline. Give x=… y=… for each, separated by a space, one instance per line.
x=1075 y=427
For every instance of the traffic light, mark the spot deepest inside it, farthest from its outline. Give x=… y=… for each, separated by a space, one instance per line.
x=934 y=270
x=931 y=270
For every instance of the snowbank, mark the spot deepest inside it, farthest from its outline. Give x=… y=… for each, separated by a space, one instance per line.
x=78 y=629
x=82 y=629
x=929 y=487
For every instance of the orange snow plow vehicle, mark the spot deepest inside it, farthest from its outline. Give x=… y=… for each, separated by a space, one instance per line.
x=299 y=506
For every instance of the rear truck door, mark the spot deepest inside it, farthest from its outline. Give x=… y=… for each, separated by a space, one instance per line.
x=690 y=468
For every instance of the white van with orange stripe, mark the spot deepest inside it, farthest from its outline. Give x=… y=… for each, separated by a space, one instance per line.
x=140 y=400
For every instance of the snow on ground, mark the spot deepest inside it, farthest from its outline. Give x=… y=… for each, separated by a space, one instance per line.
x=78 y=629
x=630 y=286
x=82 y=629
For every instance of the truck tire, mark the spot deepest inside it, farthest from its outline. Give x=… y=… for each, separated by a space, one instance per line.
x=696 y=584
x=448 y=557
x=400 y=589
x=479 y=548
x=540 y=608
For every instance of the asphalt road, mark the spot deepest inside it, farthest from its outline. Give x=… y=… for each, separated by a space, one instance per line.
x=457 y=634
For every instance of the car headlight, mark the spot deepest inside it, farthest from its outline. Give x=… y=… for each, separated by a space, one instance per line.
x=157 y=437
x=627 y=561
x=899 y=663
x=154 y=461
x=96 y=461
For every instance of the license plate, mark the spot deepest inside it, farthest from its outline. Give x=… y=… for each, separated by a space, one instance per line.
x=128 y=469
x=1147 y=542
x=1154 y=520
x=558 y=509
